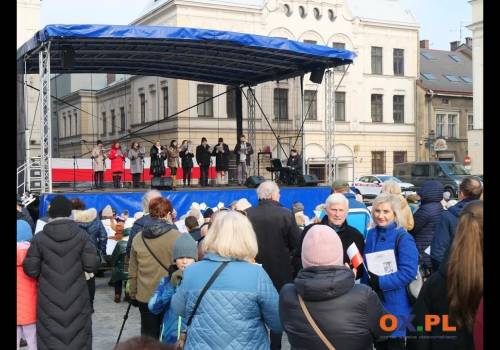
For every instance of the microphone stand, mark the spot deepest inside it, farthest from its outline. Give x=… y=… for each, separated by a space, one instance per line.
x=143 y=162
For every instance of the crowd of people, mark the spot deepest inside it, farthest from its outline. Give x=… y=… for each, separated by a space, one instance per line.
x=239 y=277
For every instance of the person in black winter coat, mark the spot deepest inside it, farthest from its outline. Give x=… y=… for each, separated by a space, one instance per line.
x=221 y=153
x=58 y=257
x=426 y=219
x=470 y=189
x=203 y=155
x=348 y=314
x=337 y=208
x=186 y=154
x=277 y=238
x=455 y=290
x=158 y=156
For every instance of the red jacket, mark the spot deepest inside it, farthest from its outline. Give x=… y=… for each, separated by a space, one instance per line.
x=26 y=289
x=117 y=159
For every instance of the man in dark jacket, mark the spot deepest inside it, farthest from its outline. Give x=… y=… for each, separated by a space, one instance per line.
x=426 y=219
x=470 y=189
x=348 y=314
x=58 y=257
x=277 y=239
x=145 y=220
x=336 y=207
x=359 y=216
x=203 y=159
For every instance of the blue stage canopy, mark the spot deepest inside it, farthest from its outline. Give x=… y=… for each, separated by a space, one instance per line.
x=213 y=56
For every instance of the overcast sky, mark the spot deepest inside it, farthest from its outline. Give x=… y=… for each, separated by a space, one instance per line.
x=440 y=20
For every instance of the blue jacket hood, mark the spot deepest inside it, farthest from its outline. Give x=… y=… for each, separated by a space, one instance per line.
x=431 y=192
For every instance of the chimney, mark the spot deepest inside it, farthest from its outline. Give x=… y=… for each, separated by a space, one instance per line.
x=110 y=78
x=454 y=45
x=424 y=44
x=468 y=41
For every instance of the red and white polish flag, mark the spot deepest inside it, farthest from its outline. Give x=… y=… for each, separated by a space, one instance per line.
x=354 y=255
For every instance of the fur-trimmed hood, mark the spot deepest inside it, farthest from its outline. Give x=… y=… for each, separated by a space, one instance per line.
x=85 y=216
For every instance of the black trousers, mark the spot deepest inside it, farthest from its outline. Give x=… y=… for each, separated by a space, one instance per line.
x=150 y=323
x=118 y=287
x=91 y=288
x=391 y=344
x=136 y=179
x=204 y=175
x=99 y=179
x=186 y=174
x=117 y=177
x=276 y=340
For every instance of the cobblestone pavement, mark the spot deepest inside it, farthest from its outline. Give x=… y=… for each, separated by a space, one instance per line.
x=108 y=318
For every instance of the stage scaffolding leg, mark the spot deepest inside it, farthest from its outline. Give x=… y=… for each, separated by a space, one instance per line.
x=330 y=126
x=252 y=137
x=46 y=137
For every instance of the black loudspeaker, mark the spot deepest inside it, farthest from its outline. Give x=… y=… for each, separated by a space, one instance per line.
x=308 y=180
x=254 y=181
x=162 y=183
x=317 y=75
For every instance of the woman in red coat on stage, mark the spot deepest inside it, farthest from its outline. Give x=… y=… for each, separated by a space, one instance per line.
x=117 y=158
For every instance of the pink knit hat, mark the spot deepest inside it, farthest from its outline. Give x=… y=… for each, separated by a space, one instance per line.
x=322 y=247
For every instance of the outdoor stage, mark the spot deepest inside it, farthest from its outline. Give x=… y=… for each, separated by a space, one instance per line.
x=182 y=198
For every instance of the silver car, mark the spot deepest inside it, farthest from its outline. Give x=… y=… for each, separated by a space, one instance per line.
x=370 y=185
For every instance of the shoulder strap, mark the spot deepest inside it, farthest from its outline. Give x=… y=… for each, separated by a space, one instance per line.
x=154 y=256
x=209 y=283
x=313 y=324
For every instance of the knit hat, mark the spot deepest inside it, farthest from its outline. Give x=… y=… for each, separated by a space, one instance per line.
x=322 y=247
x=185 y=247
x=23 y=231
x=60 y=207
x=297 y=207
x=107 y=211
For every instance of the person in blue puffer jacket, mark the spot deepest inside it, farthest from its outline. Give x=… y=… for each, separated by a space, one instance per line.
x=391 y=287
x=184 y=254
x=426 y=219
x=241 y=302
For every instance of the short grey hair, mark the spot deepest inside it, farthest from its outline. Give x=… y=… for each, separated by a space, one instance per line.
x=335 y=198
x=147 y=198
x=267 y=189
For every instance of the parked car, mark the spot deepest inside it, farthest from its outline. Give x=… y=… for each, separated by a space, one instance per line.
x=450 y=174
x=369 y=186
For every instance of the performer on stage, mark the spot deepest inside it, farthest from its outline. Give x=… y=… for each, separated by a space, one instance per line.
x=186 y=154
x=294 y=165
x=221 y=153
x=99 y=164
x=136 y=167
x=203 y=155
x=173 y=161
x=158 y=156
x=117 y=157
x=243 y=151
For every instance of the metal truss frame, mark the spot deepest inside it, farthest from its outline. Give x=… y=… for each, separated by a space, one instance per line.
x=252 y=135
x=46 y=132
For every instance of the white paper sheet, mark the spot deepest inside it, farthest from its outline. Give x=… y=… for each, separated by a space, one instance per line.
x=428 y=250
x=382 y=263
x=110 y=246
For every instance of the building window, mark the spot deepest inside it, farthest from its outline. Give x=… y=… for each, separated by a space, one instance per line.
x=314 y=42
x=310 y=105
x=122 y=119
x=378 y=162
x=281 y=103
x=339 y=46
x=398 y=105
x=399 y=62
x=230 y=100
x=205 y=92
x=142 y=99
x=104 y=122
x=317 y=14
x=470 y=122
x=331 y=15
x=64 y=123
x=399 y=157
x=113 y=122
x=447 y=125
x=70 y=124
x=302 y=12
x=76 y=121
x=164 y=91
x=340 y=106
x=377 y=108
x=376 y=60
x=287 y=9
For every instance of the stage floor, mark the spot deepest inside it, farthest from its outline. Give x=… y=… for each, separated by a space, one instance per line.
x=182 y=198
